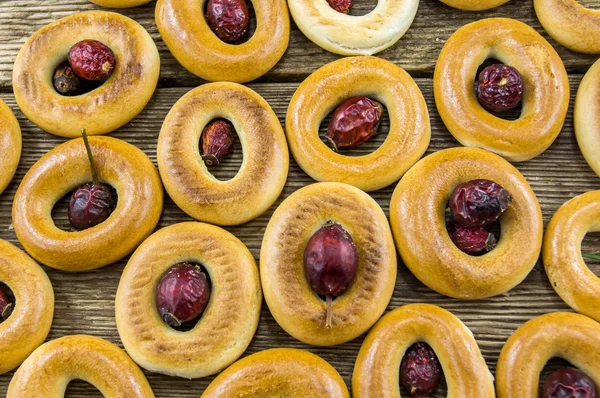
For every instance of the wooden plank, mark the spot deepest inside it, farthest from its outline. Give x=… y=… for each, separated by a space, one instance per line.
x=85 y=301
x=417 y=51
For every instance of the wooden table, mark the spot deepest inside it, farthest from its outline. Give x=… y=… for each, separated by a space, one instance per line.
x=85 y=301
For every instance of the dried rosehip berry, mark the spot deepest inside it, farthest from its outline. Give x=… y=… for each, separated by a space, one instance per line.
x=471 y=240
x=420 y=370
x=92 y=60
x=499 y=88
x=66 y=82
x=354 y=122
x=217 y=141
x=228 y=19
x=342 y=6
x=182 y=294
x=568 y=383
x=478 y=202
x=6 y=306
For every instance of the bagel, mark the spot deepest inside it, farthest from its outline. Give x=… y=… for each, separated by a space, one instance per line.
x=279 y=372
x=10 y=145
x=474 y=5
x=229 y=321
x=100 y=111
x=28 y=325
x=325 y=89
x=418 y=222
x=120 y=3
x=64 y=168
x=568 y=274
x=586 y=117
x=186 y=33
x=354 y=35
x=293 y=304
x=545 y=88
x=53 y=365
x=571 y=24
x=263 y=173
x=573 y=337
x=376 y=370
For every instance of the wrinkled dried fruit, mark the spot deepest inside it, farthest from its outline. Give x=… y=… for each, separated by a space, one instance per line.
x=499 y=88
x=228 y=19
x=568 y=383
x=354 y=122
x=478 y=202
x=66 y=82
x=342 y=6
x=90 y=205
x=6 y=306
x=420 y=370
x=92 y=60
x=471 y=240
x=217 y=141
x=182 y=294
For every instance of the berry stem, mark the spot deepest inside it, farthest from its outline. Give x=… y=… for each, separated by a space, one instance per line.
x=6 y=306
x=88 y=149
x=328 y=311
x=591 y=256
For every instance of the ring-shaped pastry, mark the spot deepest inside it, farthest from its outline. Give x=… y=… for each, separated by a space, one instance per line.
x=121 y=165
x=186 y=33
x=474 y=5
x=228 y=322
x=263 y=172
x=376 y=370
x=279 y=372
x=354 y=35
x=120 y=3
x=28 y=325
x=53 y=365
x=568 y=274
x=100 y=111
x=325 y=89
x=571 y=24
x=417 y=215
x=573 y=337
x=586 y=117
x=10 y=145
x=545 y=88
x=294 y=305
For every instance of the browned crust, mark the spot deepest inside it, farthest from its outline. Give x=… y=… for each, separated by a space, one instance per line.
x=10 y=145
x=586 y=117
x=120 y=3
x=474 y=5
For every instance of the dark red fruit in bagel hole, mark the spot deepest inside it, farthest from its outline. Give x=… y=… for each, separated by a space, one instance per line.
x=499 y=88
x=342 y=6
x=478 y=202
x=471 y=240
x=354 y=122
x=568 y=383
x=92 y=60
x=182 y=293
x=330 y=263
x=6 y=305
x=228 y=19
x=420 y=370
x=216 y=141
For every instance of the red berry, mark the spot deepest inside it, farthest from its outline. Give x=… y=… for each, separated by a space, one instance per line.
x=478 y=202
x=354 y=122
x=499 y=88
x=471 y=240
x=90 y=205
x=420 y=370
x=228 y=19
x=6 y=305
x=342 y=6
x=92 y=60
x=568 y=383
x=66 y=82
x=217 y=141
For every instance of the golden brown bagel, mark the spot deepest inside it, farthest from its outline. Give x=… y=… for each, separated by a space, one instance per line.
x=228 y=322
x=418 y=223
x=120 y=3
x=334 y=83
x=184 y=29
x=573 y=337
x=586 y=117
x=474 y=5
x=295 y=307
x=376 y=370
x=568 y=274
x=263 y=173
x=53 y=365
x=116 y=102
x=545 y=88
x=10 y=145
x=121 y=165
x=28 y=325
x=570 y=24
x=279 y=372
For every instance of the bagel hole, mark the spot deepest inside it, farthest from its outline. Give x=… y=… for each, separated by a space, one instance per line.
x=512 y=114
x=60 y=211
x=591 y=4
x=590 y=246
x=81 y=388
x=495 y=228
x=229 y=165
x=552 y=365
x=70 y=82
x=360 y=8
x=7 y=301
x=371 y=145
x=439 y=391
x=252 y=22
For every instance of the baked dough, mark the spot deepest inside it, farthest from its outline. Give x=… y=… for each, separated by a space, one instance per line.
x=474 y=5
x=545 y=91
x=376 y=370
x=100 y=111
x=586 y=117
x=295 y=307
x=184 y=29
x=10 y=145
x=228 y=322
x=63 y=169
x=418 y=222
x=573 y=337
x=354 y=35
x=263 y=172
x=120 y=3
x=279 y=372
x=53 y=365
x=28 y=325
x=334 y=83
